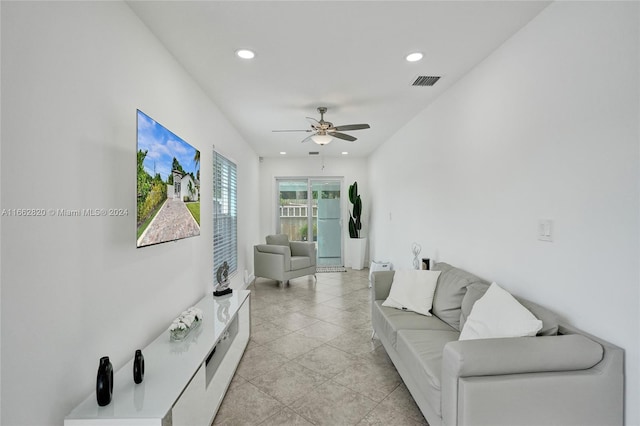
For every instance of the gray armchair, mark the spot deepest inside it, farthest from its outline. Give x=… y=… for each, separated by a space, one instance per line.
x=281 y=259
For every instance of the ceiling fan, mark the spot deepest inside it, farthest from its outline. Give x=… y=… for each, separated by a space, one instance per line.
x=325 y=131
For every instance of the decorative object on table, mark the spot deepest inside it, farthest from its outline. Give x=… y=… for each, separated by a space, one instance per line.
x=104 y=382
x=426 y=264
x=416 y=249
x=223 y=310
x=357 y=245
x=187 y=321
x=222 y=276
x=138 y=367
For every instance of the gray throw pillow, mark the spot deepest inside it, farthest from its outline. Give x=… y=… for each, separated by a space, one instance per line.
x=451 y=288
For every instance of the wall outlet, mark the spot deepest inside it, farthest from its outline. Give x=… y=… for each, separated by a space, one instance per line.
x=545 y=230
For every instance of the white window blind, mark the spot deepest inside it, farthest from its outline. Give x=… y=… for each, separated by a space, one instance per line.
x=225 y=215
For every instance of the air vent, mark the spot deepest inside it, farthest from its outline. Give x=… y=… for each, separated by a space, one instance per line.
x=425 y=80
x=314 y=152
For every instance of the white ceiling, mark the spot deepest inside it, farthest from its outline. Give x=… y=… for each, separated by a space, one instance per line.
x=345 y=55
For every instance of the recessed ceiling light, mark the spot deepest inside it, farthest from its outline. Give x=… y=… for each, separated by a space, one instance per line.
x=414 y=57
x=345 y=153
x=283 y=153
x=245 y=53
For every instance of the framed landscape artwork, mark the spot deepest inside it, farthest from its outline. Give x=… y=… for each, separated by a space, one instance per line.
x=168 y=185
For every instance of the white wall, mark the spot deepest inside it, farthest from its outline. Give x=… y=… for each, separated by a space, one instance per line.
x=351 y=169
x=545 y=128
x=76 y=288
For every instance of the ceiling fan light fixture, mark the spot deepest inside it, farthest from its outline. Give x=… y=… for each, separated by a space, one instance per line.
x=414 y=57
x=245 y=53
x=321 y=139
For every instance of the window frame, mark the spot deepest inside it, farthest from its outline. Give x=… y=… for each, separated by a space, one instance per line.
x=225 y=213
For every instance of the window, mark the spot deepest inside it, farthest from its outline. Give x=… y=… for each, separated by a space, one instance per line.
x=225 y=216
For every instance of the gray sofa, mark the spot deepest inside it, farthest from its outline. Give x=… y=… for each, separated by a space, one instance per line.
x=562 y=376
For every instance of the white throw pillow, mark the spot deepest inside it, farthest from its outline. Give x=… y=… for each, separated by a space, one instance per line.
x=412 y=290
x=499 y=314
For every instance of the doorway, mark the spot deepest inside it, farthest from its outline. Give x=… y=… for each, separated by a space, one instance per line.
x=310 y=209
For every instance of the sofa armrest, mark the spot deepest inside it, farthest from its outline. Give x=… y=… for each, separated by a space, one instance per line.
x=489 y=359
x=303 y=248
x=271 y=261
x=520 y=355
x=381 y=284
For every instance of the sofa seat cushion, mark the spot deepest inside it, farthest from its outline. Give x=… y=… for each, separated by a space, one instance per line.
x=421 y=354
x=300 y=262
x=388 y=321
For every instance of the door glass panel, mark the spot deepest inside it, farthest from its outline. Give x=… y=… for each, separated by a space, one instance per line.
x=327 y=221
x=293 y=209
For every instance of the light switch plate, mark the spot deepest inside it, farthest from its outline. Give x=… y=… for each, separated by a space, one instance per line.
x=545 y=230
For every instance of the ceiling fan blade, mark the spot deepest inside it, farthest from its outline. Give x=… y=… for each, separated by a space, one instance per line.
x=313 y=122
x=352 y=127
x=306 y=130
x=307 y=139
x=343 y=136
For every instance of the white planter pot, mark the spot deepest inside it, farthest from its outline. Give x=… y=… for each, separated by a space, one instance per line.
x=357 y=251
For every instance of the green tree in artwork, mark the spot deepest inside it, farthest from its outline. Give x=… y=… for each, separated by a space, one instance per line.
x=196 y=158
x=151 y=191
x=175 y=165
x=191 y=189
x=143 y=181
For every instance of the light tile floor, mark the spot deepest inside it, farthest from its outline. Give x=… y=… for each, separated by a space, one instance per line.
x=311 y=360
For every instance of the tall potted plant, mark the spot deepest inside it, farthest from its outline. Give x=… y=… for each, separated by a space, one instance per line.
x=357 y=245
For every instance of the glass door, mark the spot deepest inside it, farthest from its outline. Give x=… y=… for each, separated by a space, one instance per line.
x=328 y=221
x=293 y=209
x=310 y=210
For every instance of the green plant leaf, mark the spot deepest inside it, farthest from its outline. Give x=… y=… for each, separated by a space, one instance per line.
x=353 y=232
x=353 y=192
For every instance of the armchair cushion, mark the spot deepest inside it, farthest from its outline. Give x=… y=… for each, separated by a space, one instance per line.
x=278 y=239
x=303 y=248
x=300 y=262
x=275 y=249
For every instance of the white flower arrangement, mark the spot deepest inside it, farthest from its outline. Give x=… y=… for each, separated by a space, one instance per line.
x=187 y=321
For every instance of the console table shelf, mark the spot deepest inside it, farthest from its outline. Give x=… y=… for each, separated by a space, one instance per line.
x=185 y=381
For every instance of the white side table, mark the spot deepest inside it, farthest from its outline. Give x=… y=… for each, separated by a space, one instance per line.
x=378 y=265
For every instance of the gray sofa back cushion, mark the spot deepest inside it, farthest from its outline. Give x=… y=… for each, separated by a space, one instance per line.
x=477 y=290
x=450 y=290
x=278 y=240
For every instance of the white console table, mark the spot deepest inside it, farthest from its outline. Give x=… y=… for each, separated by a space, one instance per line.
x=184 y=382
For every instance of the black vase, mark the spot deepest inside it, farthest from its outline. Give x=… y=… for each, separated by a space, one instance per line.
x=104 y=383
x=138 y=367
